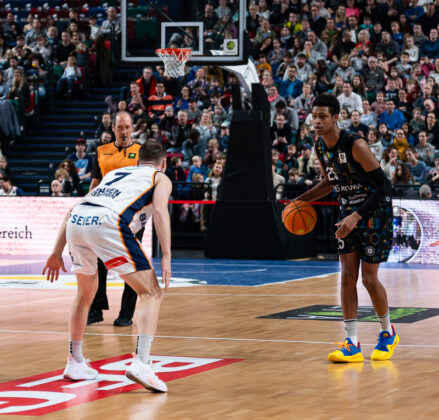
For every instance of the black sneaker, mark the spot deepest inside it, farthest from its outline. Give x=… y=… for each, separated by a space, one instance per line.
x=95 y=315
x=122 y=322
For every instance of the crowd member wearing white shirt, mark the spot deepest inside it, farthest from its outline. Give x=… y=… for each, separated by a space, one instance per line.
x=349 y=99
x=71 y=74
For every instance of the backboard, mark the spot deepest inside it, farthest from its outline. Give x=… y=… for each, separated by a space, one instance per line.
x=213 y=31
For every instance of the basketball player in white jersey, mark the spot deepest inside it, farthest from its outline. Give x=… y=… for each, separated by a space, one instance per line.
x=103 y=224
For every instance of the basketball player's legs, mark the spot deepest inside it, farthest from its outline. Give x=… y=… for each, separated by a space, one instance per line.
x=350 y=264
x=377 y=292
x=145 y=284
x=387 y=338
x=77 y=367
x=349 y=350
x=87 y=287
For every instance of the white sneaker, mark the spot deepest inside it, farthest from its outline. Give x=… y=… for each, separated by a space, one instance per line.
x=77 y=371
x=144 y=375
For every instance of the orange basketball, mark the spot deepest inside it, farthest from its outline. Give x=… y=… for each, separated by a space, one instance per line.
x=299 y=217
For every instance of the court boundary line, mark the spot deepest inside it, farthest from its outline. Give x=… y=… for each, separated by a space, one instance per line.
x=178 y=337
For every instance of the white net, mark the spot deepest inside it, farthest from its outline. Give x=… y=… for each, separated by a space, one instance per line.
x=174 y=60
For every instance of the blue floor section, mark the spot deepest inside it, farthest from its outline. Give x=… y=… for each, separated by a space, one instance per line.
x=248 y=272
x=218 y=272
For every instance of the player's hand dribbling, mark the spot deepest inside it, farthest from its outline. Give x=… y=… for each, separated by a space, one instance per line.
x=53 y=264
x=346 y=225
x=166 y=271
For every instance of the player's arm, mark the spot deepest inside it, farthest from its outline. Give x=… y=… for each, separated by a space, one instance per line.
x=162 y=223
x=376 y=176
x=320 y=190
x=55 y=262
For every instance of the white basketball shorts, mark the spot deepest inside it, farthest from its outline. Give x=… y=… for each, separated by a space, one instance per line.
x=97 y=232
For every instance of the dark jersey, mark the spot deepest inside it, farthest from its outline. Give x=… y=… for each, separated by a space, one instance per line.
x=346 y=175
x=371 y=237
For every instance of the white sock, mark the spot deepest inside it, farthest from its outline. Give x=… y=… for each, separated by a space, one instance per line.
x=143 y=349
x=350 y=326
x=385 y=323
x=75 y=349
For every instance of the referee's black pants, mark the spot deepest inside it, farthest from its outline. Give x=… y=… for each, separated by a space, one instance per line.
x=129 y=296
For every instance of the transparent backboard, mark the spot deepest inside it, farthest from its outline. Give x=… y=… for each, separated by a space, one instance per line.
x=214 y=31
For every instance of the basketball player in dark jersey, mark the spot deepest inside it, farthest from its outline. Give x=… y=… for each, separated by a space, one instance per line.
x=364 y=231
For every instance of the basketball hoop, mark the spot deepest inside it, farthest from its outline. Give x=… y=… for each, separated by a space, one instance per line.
x=174 y=60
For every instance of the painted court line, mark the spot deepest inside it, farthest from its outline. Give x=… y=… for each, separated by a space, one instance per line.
x=178 y=337
x=320 y=276
x=253 y=265
x=254 y=295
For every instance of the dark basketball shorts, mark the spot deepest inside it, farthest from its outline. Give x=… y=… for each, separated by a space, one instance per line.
x=372 y=237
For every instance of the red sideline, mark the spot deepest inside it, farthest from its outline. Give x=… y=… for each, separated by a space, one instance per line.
x=316 y=203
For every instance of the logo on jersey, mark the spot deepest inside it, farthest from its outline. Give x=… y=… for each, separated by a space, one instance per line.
x=343 y=201
x=332 y=175
x=131 y=156
x=342 y=158
x=369 y=251
x=374 y=223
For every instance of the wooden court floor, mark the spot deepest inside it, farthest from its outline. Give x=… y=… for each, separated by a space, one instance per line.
x=284 y=373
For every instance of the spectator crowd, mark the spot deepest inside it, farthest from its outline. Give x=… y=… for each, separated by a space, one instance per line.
x=379 y=58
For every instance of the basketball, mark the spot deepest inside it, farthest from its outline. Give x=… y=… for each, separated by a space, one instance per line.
x=299 y=217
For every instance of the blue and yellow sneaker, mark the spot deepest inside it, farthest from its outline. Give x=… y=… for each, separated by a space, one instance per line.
x=347 y=352
x=386 y=345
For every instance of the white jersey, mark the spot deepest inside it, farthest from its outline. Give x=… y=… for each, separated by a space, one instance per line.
x=128 y=192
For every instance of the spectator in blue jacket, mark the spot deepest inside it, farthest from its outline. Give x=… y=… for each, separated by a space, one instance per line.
x=414 y=12
x=392 y=117
x=196 y=168
x=430 y=47
x=291 y=87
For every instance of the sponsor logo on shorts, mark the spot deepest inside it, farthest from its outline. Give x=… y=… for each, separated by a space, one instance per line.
x=83 y=221
x=370 y=251
x=50 y=392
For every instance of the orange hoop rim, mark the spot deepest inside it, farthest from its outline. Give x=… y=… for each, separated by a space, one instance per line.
x=169 y=51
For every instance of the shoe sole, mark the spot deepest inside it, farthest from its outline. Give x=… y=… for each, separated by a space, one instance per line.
x=352 y=359
x=79 y=379
x=146 y=385
x=390 y=353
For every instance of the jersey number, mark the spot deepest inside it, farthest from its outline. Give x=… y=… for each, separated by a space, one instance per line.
x=119 y=176
x=332 y=175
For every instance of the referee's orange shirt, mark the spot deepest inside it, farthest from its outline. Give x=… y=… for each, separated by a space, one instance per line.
x=109 y=157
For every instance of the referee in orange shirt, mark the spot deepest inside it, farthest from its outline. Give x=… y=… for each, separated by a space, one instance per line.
x=123 y=152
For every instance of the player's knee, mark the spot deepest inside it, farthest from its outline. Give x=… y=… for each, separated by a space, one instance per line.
x=155 y=292
x=88 y=295
x=348 y=277
x=369 y=280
